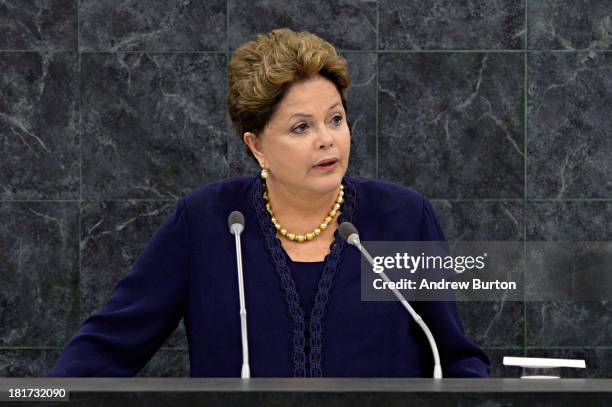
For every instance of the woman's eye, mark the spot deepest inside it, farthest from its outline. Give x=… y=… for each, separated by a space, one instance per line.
x=298 y=127
x=337 y=118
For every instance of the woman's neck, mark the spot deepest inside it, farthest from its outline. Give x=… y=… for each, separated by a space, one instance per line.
x=299 y=210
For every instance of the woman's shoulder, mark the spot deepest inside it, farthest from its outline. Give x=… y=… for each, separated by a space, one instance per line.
x=221 y=193
x=385 y=193
x=235 y=185
x=410 y=212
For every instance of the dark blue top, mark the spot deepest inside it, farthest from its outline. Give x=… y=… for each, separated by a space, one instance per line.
x=188 y=270
x=306 y=276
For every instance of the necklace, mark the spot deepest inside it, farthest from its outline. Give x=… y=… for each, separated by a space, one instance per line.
x=317 y=231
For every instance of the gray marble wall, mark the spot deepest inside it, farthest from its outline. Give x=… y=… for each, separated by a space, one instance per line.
x=498 y=111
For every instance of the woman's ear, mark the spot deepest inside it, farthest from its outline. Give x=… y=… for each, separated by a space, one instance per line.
x=254 y=144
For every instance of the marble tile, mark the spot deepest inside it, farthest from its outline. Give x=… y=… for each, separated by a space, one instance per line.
x=27 y=362
x=39 y=273
x=498 y=370
x=569 y=323
x=419 y=25
x=570 y=252
x=113 y=235
x=480 y=220
x=487 y=323
x=153 y=25
x=167 y=363
x=153 y=124
x=598 y=361
x=574 y=267
x=38 y=125
x=362 y=113
x=361 y=118
x=569 y=221
x=346 y=24
x=493 y=323
x=561 y=24
x=43 y=25
x=569 y=122
x=565 y=323
x=450 y=124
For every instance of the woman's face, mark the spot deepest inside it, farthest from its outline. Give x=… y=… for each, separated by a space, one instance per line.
x=308 y=126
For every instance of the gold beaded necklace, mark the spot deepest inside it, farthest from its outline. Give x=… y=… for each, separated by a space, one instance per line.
x=308 y=236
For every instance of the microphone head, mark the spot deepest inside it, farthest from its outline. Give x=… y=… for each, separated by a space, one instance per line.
x=234 y=218
x=346 y=229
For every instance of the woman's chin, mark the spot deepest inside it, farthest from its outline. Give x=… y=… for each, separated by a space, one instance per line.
x=328 y=182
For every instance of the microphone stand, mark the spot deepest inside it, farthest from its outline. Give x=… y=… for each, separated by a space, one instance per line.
x=353 y=239
x=236 y=220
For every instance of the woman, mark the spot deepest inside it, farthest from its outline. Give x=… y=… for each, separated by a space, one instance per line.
x=287 y=102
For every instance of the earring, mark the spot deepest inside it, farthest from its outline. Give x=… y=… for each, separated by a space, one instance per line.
x=264 y=173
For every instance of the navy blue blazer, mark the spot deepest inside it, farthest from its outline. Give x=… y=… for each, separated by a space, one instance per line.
x=188 y=270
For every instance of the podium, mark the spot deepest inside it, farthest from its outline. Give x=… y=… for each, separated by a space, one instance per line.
x=353 y=392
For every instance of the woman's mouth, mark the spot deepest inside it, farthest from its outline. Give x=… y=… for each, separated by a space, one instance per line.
x=327 y=166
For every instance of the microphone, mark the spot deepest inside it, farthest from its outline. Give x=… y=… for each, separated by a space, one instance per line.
x=349 y=232
x=235 y=222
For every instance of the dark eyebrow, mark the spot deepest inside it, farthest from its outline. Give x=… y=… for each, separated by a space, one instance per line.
x=309 y=115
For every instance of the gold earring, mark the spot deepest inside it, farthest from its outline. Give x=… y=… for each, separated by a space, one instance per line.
x=264 y=173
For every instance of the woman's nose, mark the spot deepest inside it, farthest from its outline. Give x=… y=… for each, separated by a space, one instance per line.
x=325 y=139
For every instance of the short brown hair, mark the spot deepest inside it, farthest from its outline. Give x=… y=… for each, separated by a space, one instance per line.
x=260 y=72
